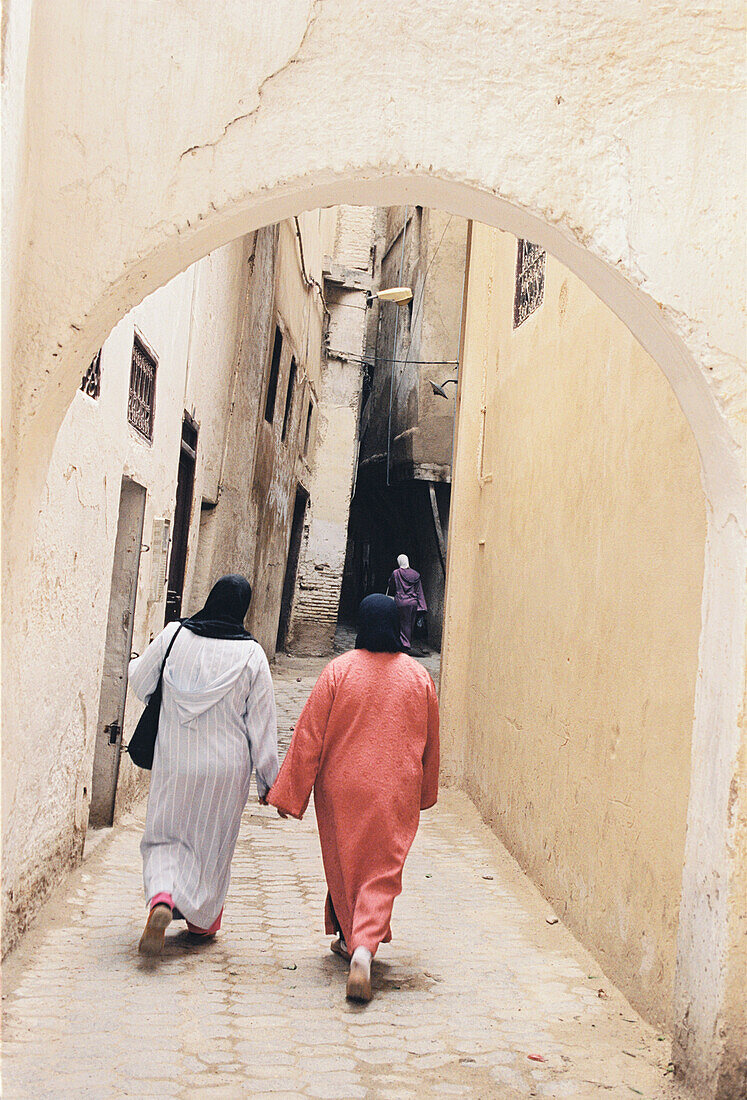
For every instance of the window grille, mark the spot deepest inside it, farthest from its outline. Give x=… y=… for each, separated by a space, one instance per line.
x=530 y=280
x=141 y=407
x=91 y=382
x=289 y=398
x=272 y=385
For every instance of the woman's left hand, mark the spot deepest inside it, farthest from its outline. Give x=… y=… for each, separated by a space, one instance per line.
x=263 y=802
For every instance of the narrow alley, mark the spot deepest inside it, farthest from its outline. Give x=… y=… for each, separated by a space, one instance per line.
x=479 y=994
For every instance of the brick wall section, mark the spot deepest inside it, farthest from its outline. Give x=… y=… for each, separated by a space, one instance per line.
x=316 y=607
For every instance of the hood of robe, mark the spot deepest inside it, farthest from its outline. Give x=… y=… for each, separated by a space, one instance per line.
x=203 y=688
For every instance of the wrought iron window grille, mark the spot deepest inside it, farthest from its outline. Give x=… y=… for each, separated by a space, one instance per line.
x=141 y=406
x=530 y=280
x=91 y=381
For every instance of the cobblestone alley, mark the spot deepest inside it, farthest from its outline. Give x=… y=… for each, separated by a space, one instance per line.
x=475 y=983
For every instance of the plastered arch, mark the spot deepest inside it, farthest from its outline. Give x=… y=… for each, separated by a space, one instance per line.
x=716 y=698
x=211 y=123
x=721 y=456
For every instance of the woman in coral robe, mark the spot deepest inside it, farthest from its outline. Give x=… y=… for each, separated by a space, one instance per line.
x=367 y=744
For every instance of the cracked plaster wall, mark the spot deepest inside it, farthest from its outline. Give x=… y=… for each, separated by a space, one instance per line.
x=48 y=757
x=142 y=149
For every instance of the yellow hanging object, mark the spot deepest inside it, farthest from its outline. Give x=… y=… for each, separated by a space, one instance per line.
x=399 y=294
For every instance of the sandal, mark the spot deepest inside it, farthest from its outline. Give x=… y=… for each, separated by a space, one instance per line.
x=151 y=941
x=339 y=947
x=359 y=983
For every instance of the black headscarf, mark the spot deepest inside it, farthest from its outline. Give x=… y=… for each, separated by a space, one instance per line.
x=224 y=610
x=378 y=625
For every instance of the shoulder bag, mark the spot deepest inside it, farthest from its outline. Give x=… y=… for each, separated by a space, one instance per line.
x=142 y=744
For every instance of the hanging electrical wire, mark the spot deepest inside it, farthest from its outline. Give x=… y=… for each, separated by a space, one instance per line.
x=309 y=279
x=416 y=310
x=372 y=360
x=391 y=376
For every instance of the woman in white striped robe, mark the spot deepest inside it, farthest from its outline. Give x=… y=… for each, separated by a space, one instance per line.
x=217 y=722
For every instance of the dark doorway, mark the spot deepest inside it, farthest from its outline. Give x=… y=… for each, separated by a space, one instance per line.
x=125 y=570
x=291 y=567
x=182 y=516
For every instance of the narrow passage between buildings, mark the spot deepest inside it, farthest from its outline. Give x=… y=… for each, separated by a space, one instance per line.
x=478 y=995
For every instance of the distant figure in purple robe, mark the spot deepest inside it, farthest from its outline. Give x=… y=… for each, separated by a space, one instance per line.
x=404 y=584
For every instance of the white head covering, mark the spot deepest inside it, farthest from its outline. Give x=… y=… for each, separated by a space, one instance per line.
x=403 y=561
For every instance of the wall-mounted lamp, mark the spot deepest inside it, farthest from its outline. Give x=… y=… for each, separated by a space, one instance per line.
x=399 y=294
x=439 y=391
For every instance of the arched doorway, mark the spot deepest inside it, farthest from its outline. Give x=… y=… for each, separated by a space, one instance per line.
x=297 y=126
x=638 y=315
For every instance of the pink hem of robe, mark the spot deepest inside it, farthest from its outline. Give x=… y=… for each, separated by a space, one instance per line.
x=367 y=744
x=165 y=898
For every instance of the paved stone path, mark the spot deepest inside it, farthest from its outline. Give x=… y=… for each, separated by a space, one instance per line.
x=474 y=982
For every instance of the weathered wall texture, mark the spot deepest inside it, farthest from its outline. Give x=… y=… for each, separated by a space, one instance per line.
x=574 y=612
x=732 y=1080
x=123 y=171
x=228 y=516
x=405 y=457
x=428 y=333
x=283 y=465
x=211 y=330
x=348 y=277
x=50 y=761
x=246 y=521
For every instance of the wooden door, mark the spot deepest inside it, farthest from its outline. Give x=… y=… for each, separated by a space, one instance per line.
x=182 y=517
x=291 y=567
x=122 y=598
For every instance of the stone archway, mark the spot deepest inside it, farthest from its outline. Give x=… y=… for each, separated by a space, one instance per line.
x=112 y=195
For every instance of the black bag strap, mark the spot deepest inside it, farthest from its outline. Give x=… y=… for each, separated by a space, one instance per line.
x=166 y=657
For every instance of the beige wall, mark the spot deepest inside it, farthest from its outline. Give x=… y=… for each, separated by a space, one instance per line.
x=280 y=466
x=246 y=524
x=573 y=613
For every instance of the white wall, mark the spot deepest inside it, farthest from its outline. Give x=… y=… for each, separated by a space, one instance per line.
x=16 y=31
x=48 y=766
x=222 y=282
